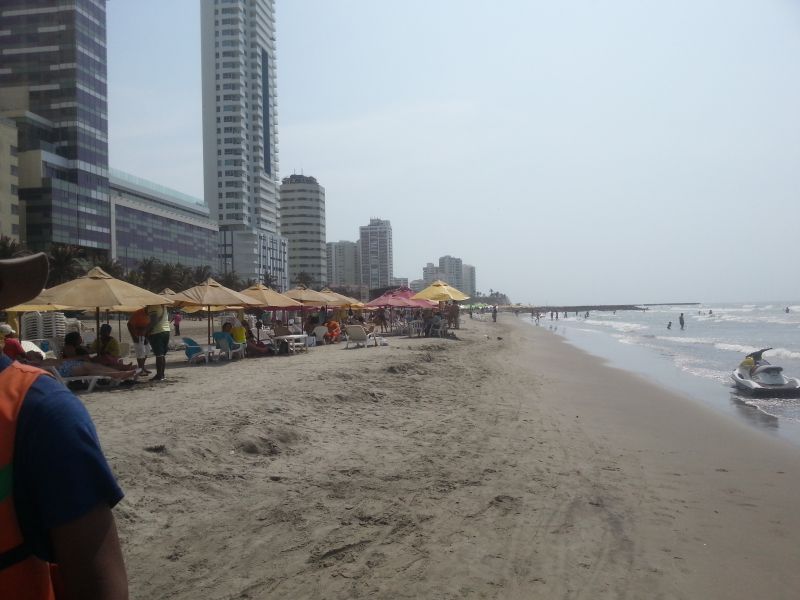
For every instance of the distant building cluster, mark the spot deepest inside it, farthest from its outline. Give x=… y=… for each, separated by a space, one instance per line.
x=56 y=186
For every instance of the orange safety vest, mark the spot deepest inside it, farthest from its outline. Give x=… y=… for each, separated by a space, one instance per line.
x=22 y=575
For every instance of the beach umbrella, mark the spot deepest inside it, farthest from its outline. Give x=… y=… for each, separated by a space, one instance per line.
x=100 y=291
x=269 y=298
x=338 y=299
x=308 y=297
x=212 y=294
x=400 y=298
x=440 y=291
x=37 y=304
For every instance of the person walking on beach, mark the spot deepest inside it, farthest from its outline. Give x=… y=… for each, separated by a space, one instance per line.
x=681 y=321
x=494 y=314
x=158 y=336
x=57 y=531
x=669 y=325
x=176 y=322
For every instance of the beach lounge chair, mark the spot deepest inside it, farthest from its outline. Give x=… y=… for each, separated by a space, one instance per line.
x=195 y=352
x=227 y=347
x=357 y=335
x=438 y=329
x=90 y=380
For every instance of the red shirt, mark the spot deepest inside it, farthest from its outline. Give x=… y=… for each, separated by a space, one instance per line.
x=13 y=349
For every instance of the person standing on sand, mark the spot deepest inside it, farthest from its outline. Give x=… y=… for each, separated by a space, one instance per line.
x=138 y=325
x=176 y=322
x=494 y=313
x=681 y=321
x=158 y=335
x=57 y=531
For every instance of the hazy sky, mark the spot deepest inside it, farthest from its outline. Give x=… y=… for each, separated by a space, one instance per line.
x=574 y=152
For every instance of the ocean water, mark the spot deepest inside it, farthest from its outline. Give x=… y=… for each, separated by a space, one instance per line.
x=698 y=360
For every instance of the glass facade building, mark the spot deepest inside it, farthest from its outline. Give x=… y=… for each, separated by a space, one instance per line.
x=149 y=220
x=53 y=84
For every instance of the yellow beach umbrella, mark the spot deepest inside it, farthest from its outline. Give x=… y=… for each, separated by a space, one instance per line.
x=100 y=291
x=269 y=298
x=308 y=297
x=338 y=299
x=211 y=295
x=440 y=291
x=38 y=304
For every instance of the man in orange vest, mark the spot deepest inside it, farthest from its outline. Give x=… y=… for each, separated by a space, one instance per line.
x=58 y=538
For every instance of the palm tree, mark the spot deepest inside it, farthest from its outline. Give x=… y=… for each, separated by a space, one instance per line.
x=200 y=274
x=112 y=267
x=148 y=273
x=269 y=280
x=230 y=280
x=11 y=248
x=65 y=263
x=303 y=278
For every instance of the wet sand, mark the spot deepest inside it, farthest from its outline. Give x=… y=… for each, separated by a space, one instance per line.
x=481 y=468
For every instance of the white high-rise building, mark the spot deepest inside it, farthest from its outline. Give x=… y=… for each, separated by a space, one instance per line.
x=376 y=254
x=303 y=226
x=343 y=264
x=240 y=143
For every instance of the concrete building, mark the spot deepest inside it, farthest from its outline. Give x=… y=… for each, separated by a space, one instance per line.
x=53 y=86
x=149 y=220
x=302 y=210
x=468 y=277
x=417 y=285
x=9 y=181
x=377 y=261
x=240 y=142
x=431 y=273
x=400 y=281
x=343 y=264
x=452 y=272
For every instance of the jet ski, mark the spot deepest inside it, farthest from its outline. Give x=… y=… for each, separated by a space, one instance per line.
x=756 y=376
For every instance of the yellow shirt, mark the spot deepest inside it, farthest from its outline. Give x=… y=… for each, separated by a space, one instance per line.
x=239 y=334
x=159 y=317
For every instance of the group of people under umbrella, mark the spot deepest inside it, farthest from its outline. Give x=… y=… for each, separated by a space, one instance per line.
x=98 y=291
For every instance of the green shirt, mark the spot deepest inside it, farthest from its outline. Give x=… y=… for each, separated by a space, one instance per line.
x=159 y=319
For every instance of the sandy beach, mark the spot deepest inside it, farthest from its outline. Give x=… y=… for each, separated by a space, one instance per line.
x=505 y=464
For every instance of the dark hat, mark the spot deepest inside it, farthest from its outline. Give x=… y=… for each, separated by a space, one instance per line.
x=22 y=278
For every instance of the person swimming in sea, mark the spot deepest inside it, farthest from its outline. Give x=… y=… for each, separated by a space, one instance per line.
x=669 y=325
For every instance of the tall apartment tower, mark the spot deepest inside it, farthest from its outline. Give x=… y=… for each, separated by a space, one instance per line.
x=343 y=264
x=452 y=271
x=375 y=241
x=9 y=180
x=303 y=225
x=53 y=86
x=469 y=288
x=240 y=144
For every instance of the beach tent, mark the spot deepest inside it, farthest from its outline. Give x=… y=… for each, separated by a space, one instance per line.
x=440 y=291
x=211 y=295
x=100 y=291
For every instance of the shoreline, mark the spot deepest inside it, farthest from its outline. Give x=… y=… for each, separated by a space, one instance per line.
x=484 y=467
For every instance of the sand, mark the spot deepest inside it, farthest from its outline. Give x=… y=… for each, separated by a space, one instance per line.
x=518 y=467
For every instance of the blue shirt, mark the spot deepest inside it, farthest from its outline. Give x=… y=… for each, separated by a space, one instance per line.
x=60 y=472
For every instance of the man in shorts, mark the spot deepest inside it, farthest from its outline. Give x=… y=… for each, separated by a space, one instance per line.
x=138 y=325
x=158 y=335
x=59 y=538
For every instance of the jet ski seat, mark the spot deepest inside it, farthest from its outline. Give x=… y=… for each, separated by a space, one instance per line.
x=766 y=369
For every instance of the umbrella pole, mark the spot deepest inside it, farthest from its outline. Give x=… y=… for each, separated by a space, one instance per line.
x=97 y=319
x=209 y=324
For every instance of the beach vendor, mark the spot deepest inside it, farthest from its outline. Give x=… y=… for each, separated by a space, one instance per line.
x=57 y=531
x=158 y=336
x=138 y=324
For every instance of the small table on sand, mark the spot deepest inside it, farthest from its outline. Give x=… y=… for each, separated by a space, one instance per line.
x=296 y=341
